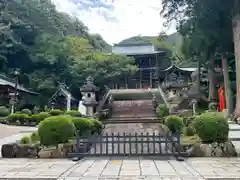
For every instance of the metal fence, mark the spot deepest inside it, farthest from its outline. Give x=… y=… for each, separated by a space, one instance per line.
x=143 y=144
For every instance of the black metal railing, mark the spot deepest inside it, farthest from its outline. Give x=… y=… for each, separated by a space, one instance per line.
x=143 y=144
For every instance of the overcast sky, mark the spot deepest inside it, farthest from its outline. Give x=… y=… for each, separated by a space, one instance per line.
x=116 y=20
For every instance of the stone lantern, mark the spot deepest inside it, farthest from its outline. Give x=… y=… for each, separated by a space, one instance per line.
x=88 y=91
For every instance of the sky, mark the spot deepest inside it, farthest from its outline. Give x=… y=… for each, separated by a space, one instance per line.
x=116 y=20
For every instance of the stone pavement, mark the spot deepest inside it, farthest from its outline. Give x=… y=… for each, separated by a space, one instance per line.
x=120 y=169
x=234 y=133
x=11 y=134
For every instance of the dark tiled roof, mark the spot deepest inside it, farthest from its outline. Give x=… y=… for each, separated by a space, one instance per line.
x=5 y=81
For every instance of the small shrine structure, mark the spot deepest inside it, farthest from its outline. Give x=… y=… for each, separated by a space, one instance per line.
x=88 y=91
x=176 y=81
x=62 y=98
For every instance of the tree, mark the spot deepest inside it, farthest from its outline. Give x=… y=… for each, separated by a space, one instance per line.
x=214 y=19
x=51 y=47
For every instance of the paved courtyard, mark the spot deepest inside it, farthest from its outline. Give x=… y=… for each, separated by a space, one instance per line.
x=120 y=169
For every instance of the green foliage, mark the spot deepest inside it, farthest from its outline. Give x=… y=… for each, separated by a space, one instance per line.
x=34 y=137
x=54 y=47
x=4 y=111
x=37 y=118
x=56 y=112
x=83 y=125
x=73 y=113
x=174 y=123
x=13 y=118
x=97 y=126
x=211 y=127
x=25 y=140
x=26 y=111
x=41 y=116
x=162 y=111
x=56 y=129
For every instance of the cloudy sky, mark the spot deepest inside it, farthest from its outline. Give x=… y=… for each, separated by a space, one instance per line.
x=116 y=20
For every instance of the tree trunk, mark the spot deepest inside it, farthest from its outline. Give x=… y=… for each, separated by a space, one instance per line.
x=227 y=88
x=236 y=38
x=211 y=76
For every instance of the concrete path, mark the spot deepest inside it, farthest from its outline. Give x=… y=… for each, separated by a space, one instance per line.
x=10 y=134
x=118 y=169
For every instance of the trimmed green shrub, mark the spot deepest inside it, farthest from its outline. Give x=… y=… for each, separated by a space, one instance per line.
x=4 y=111
x=74 y=113
x=56 y=129
x=212 y=127
x=56 y=112
x=97 y=126
x=174 y=123
x=34 y=137
x=162 y=111
x=38 y=117
x=26 y=111
x=25 y=140
x=83 y=125
x=22 y=118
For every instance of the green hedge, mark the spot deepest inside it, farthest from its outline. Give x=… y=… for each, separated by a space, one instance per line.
x=83 y=125
x=4 y=111
x=174 y=123
x=55 y=130
x=18 y=117
x=162 y=111
x=73 y=113
x=212 y=127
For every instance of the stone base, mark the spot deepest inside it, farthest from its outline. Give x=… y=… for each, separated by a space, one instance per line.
x=226 y=149
x=19 y=151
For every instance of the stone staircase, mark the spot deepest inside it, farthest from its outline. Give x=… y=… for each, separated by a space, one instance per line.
x=133 y=109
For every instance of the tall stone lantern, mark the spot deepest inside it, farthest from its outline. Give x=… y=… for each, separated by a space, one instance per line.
x=88 y=91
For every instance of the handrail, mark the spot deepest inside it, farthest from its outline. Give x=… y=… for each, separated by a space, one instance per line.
x=103 y=100
x=163 y=95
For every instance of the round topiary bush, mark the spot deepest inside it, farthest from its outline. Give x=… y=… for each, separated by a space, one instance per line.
x=162 y=111
x=56 y=112
x=4 y=111
x=174 y=123
x=74 y=113
x=83 y=125
x=212 y=127
x=56 y=129
x=26 y=111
